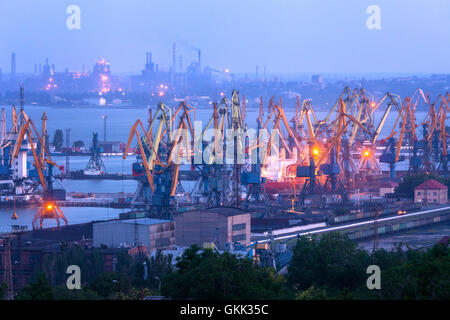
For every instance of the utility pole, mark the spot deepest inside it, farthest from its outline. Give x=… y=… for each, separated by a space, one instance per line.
x=67 y=150
x=376 y=210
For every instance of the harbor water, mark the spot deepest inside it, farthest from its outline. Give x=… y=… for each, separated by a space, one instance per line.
x=83 y=122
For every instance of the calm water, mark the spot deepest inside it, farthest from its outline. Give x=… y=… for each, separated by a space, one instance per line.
x=73 y=215
x=84 y=121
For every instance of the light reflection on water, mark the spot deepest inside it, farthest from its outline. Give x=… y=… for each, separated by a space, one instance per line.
x=73 y=215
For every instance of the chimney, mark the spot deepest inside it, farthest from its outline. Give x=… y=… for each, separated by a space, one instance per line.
x=199 y=60
x=174 y=56
x=21 y=98
x=13 y=65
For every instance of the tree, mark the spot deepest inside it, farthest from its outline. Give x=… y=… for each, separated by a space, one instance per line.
x=106 y=285
x=331 y=263
x=40 y=289
x=159 y=266
x=62 y=293
x=425 y=275
x=89 y=261
x=312 y=293
x=211 y=275
x=78 y=144
x=3 y=288
x=58 y=139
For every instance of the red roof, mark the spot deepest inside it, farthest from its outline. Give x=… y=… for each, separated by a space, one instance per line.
x=444 y=240
x=389 y=184
x=431 y=185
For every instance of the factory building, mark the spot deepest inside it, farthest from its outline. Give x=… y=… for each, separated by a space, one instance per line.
x=431 y=191
x=218 y=225
x=150 y=233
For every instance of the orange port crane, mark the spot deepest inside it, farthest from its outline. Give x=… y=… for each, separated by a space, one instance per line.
x=161 y=149
x=28 y=133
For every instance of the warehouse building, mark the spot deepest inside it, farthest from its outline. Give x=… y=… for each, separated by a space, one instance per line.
x=151 y=233
x=219 y=225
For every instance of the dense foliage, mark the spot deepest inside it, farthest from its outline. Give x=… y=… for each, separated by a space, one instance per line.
x=211 y=275
x=329 y=267
x=334 y=268
x=58 y=139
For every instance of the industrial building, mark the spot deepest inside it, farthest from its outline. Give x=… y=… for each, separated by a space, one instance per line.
x=150 y=233
x=431 y=191
x=387 y=187
x=219 y=225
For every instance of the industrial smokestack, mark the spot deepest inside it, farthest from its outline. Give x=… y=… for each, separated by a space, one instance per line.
x=174 y=58
x=13 y=65
x=22 y=99
x=199 y=60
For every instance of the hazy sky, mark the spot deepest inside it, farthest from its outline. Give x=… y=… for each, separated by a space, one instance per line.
x=286 y=36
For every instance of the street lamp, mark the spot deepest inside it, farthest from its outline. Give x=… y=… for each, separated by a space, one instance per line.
x=159 y=281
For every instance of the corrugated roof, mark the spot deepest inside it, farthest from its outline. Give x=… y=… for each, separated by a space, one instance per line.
x=431 y=185
x=139 y=221
x=225 y=211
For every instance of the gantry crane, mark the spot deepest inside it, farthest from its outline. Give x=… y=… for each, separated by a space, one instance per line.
x=251 y=178
x=95 y=165
x=214 y=182
x=48 y=209
x=160 y=157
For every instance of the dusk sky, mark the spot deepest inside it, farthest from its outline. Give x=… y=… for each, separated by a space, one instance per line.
x=286 y=36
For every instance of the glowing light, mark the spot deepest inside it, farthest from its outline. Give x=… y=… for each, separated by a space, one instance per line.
x=104 y=78
x=221 y=94
x=373 y=104
x=161 y=86
x=227 y=71
x=366 y=153
x=49 y=206
x=161 y=93
x=315 y=151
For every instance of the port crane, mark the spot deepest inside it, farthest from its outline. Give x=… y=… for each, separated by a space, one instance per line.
x=214 y=181
x=42 y=161
x=95 y=165
x=160 y=157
